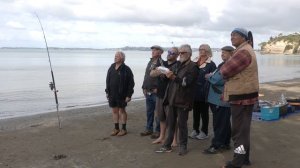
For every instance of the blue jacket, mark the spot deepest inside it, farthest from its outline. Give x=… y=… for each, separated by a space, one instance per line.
x=216 y=89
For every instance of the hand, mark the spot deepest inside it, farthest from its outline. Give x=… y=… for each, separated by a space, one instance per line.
x=169 y=74
x=208 y=75
x=144 y=92
x=107 y=97
x=127 y=99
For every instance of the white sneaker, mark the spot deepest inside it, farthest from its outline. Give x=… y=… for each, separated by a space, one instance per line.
x=202 y=136
x=194 y=134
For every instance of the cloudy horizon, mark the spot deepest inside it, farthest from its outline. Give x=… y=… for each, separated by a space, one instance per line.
x=115 y=23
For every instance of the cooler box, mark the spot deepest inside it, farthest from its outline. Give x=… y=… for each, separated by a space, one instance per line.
x=269 y=113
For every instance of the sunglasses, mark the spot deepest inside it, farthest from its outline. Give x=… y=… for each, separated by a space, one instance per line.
x=171 y=53
x=182 y=53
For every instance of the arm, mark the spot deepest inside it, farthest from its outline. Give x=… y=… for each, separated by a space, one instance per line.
x=107 y=89
x=187 y=80
x=155 y=72
x=131 y=83
x=236 y=64
x=216 y=79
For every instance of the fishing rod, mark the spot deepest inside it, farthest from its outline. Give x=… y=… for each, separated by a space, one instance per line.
x=51 y=84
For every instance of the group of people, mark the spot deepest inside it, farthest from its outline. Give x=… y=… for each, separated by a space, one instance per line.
x=178 y=85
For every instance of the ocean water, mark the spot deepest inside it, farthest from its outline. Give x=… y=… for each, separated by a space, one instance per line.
x=80 y=77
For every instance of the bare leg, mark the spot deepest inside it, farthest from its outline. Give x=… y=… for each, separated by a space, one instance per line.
x=174 y=143
x=123 y=115
x=115 y=114
x=162 y=134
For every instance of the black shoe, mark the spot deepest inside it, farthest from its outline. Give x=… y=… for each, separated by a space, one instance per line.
x=211 y=150
x=229 y=165
x=225 y=147
x=247 y=163
x=182 y=151
x=146 y=133
x=154 y=135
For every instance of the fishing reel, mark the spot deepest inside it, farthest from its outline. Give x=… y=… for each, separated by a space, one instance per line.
x=51 y=85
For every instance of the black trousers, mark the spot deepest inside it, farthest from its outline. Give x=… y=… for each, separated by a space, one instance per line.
x=221 y=126
x=200 y=111
x=241 y=123
x=182 y=115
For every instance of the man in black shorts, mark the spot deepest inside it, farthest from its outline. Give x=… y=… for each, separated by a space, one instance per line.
x=119 y=89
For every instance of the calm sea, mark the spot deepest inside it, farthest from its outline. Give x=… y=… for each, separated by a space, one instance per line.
x=80 y=77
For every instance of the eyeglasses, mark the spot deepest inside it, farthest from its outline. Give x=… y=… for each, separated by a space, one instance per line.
x=182 y=53
x=171 y=53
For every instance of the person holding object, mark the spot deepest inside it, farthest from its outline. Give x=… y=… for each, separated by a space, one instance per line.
x=179 y=98
x=161 y=72
x=241 y=91
x=119 y=89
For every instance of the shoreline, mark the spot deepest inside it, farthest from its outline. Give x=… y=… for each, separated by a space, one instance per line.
x=270 y=90
x=263 y=87
x=85 y=141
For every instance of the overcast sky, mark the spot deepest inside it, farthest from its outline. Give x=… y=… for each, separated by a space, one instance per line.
x=119 y=23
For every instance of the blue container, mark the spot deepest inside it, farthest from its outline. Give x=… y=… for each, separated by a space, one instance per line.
x=269 y=113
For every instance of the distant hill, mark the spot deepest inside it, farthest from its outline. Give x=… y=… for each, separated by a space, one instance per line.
x=282 y=44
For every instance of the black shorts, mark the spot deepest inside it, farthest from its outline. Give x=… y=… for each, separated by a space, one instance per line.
x=117 y=103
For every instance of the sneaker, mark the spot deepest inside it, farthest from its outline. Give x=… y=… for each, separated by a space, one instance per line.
x=122 y=133
x=182 y=151
x=164 y=150
x=211 y=150
x=114 y=132
x=154 y=135
x=193 y=134
x=202 y=136
x=146 y=133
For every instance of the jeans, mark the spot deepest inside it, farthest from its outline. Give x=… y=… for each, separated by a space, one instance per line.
x=150 y=105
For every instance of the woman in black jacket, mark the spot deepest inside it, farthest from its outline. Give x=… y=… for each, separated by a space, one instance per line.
x=200 y=107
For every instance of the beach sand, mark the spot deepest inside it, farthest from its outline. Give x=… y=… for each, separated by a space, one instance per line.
x=85 y=141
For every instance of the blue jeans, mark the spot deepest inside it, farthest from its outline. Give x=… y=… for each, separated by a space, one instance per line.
x=150 y=105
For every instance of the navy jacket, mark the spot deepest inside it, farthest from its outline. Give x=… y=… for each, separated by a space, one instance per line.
x=126 y=84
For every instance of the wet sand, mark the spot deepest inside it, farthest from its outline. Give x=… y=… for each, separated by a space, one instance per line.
x=85 y=142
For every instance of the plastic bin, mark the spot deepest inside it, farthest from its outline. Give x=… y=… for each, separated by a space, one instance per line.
x=269 y=113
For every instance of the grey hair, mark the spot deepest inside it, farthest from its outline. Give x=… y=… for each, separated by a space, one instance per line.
x=186 y=47
x=122 y=54
x=207 y=49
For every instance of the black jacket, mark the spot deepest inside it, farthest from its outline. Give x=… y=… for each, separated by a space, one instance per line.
x=180 y=91
x=202 y=86
x=126 y=84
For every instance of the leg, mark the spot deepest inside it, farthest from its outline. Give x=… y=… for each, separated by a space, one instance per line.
x=161 y=114
x=115 y=115
x=183 y=115
x=174 y=143
x=123 y=115
x=241 y=122
x=150 y=104
x=171 y=123
x=196 y=116
x=204 y=117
